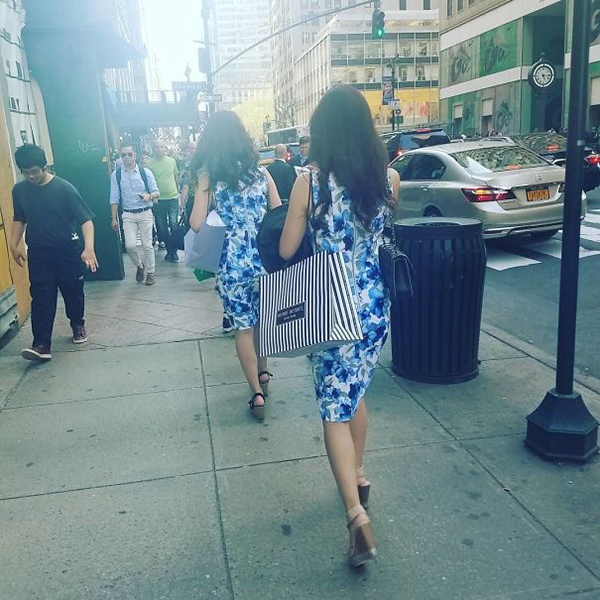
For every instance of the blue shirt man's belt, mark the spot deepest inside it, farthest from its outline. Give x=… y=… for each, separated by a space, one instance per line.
x=136 y=210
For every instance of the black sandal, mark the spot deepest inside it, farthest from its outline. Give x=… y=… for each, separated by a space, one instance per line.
x=258 y=411
x=265 y=384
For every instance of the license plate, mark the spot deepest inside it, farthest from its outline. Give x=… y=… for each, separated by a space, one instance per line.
x=538 y=195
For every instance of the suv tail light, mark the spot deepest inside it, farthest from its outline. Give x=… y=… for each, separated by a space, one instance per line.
x=593 y=159
x=399 y=152
x=487 y=194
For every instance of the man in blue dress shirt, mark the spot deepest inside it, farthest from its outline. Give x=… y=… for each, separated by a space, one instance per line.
x=137 y=197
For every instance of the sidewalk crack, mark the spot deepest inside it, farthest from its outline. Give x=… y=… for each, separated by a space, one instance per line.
x=215 y=479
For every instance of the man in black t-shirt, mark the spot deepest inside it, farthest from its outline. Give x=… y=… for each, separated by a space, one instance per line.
x=50 y=211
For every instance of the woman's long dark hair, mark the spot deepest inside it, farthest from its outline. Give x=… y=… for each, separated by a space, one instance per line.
x=344 y=143
x=226 y=152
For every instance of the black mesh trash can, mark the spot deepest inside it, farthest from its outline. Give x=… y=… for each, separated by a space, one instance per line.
x=435 y=333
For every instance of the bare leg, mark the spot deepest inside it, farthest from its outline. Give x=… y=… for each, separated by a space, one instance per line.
x=262 y=362
x=342 y=458
x=244 y=344
x=358 y=429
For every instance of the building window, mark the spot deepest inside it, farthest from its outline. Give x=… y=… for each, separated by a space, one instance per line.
x=449 y=4
x=370 y=75
x=24 y=136
x=13 y=104
x=471 y=2
x=426 y=4
x=402 y=5
x=8 y=67
x=420 y=73
x=19 y=70
x=459 y=5
x=403 y=74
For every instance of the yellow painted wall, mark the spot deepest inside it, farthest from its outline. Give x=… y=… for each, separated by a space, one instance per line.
x=10 y=273
x=415 y=102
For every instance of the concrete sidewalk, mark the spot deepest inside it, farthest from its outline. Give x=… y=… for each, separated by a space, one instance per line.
x=130 y=468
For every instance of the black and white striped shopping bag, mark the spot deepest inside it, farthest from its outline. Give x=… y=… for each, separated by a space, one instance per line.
x=306 y=307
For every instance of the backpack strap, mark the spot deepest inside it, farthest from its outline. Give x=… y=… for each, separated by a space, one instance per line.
x=144 y=178
x=118 y=175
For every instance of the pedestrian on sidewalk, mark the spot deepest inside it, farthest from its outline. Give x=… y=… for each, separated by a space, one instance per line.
x=283 y=174
x=134 y=188
x=301 y=160
x=231 y=182
x=50 y=211
x=166 y=210
x=351 y=199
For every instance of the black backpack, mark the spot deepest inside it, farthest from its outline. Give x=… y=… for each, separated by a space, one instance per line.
x=144 y=175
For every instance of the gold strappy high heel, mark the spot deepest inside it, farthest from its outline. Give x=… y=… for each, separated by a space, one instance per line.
x=362 y=543
x=364 y=487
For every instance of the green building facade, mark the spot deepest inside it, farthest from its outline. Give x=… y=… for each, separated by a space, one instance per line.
x=486 y=57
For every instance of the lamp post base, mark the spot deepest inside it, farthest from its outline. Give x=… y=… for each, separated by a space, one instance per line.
x=562 y=428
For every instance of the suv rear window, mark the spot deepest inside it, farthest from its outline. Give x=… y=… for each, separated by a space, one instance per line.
x=410 y=141
x=481 y=161
x=542 y=143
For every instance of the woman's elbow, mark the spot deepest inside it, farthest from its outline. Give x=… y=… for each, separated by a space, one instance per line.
x=285 y=251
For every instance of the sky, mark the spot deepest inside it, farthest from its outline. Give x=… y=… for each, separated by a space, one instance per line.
x=172 y=27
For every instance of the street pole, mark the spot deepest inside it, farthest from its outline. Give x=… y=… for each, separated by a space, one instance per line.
x=562 y=428
x=210 y=87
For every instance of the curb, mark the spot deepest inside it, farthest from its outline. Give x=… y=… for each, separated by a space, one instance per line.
x=530 y=350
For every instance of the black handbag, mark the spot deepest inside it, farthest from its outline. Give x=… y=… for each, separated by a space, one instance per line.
x=396 y=270
x=269 y=236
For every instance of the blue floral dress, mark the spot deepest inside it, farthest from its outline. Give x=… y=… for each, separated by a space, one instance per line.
x=242 y=211
x=342 y=374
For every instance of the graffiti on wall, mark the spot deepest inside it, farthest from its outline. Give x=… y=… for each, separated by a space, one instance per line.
x=461 y=63
x=498 y=49
x=595 y=23
x=504 y=117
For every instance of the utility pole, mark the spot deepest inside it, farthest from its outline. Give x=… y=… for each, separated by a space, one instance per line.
x=561 y=427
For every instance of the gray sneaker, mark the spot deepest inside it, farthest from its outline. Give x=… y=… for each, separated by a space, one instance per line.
x=150 y=279
x=139 y=274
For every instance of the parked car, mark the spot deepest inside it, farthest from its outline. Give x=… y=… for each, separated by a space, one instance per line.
x=266 y=156
x=402 y=141
x=511 y=189
x=553 y=147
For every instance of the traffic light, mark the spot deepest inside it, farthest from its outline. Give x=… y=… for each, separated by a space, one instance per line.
x=378 y=25
x=204 y=60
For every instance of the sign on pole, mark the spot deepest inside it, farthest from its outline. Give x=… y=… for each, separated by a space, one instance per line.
x=388 y=90
x=212 y=98
x=196 y=87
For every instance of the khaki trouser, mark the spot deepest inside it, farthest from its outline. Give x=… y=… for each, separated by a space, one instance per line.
x=141 y=222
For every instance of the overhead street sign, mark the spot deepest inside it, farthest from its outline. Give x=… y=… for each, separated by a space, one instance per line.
x=196 y=87
x=212 y=98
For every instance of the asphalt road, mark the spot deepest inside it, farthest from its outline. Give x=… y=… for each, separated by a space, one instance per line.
x=522 y=291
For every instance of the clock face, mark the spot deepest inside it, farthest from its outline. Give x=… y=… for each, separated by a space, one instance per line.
x=543 y=75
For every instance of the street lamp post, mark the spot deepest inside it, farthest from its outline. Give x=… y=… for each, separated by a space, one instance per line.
x=392 y=66
x=562 y=427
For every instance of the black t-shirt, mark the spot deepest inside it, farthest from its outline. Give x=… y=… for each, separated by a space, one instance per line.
x=52 y=212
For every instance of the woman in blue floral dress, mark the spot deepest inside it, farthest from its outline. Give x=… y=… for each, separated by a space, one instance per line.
x=344 y=204
x=231 y=182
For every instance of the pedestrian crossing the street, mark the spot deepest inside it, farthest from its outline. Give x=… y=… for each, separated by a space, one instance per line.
x=526 y=254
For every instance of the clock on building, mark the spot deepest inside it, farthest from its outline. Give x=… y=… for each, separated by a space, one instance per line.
x=542 y=75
